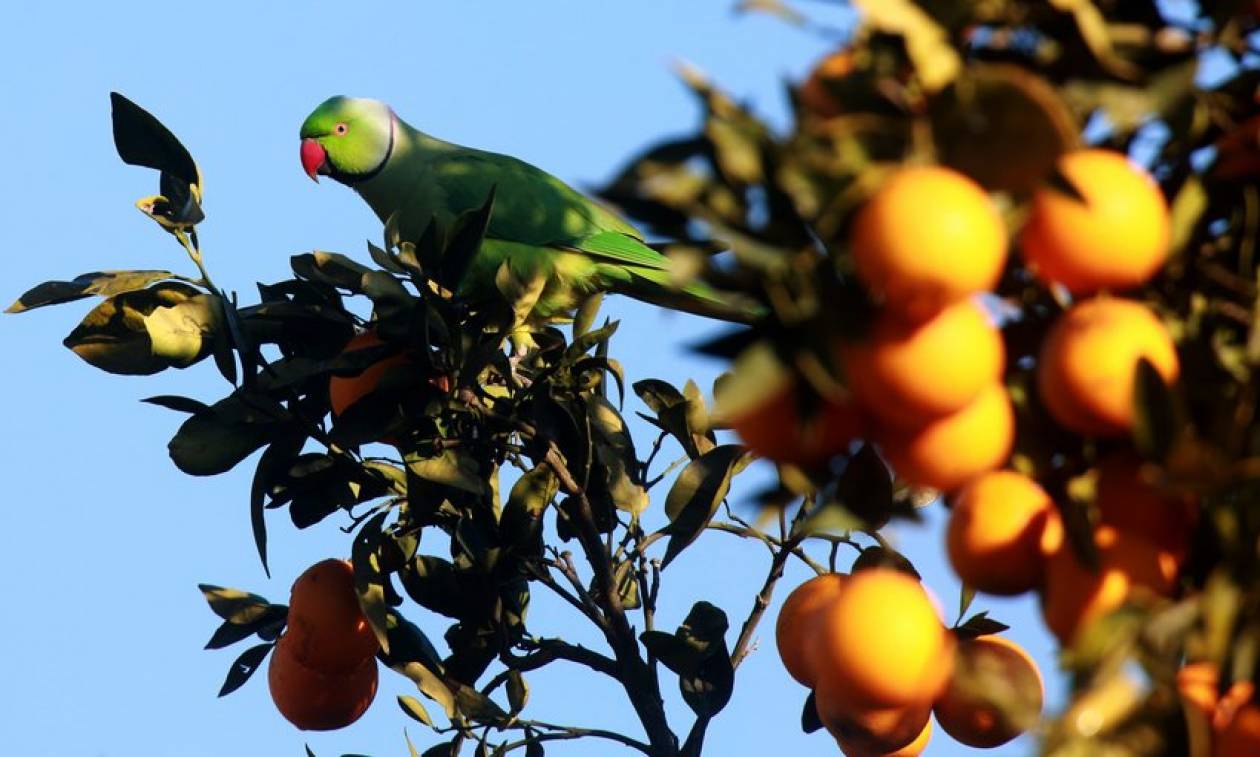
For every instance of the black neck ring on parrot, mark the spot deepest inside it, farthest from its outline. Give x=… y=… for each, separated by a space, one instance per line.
x=350 y=179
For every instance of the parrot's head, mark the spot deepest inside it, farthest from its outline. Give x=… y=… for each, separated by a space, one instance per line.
x=347 y=138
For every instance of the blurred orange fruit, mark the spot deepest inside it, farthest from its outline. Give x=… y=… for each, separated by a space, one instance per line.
x=798 y=623
x=1074 y=596
x=1127 y=500
x=928 y=237
x=881 y=644
x=1198 y=684
x=891 y=731
x=947 y=452
x=1089 y=360
x=995 y=694
x=326 y=629
x=908 y=373
x=318 y=701
x=761 y=401
x=1115 y=235
x=1241 y=738
x=1002 y=528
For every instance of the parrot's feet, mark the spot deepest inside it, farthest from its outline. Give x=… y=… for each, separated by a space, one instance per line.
x=522 y=344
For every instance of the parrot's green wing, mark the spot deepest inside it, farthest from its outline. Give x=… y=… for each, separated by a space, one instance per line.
x=559 y=246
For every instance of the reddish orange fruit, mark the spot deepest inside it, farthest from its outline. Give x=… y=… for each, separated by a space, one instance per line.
x=760 y=401
x=913 y=749
x=1115 y=235
x=1001 y=530
x=344 y=391
x=798 y=623
x=318 y=701
x=947 y=452
x=1075 y=596
x=327 y=630
x=881 y=644
x=870 y=732
x=928 y=237
x=909 y=373
x=1128 y=500
x=1241 y=738
x=1089 y=361
x=995 y=694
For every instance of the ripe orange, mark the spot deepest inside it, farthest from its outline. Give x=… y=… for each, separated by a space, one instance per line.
x=314 y=700
x=1127 y=500
x=1002 y=528
x=950 y=451
x=995 y=694
x=881 y=644
x=761 y=402
x=1197 y=683
x=1075 y=596
x=798 y=623
x=327 y=630
x=1089 y=360
x=877 y=731
x=1116 y=238
x=1241 y=738
x=913 y=749
x=907 y=373
x=344 y=391
x=1232 y=703
x=815 y=94
x=928 y=237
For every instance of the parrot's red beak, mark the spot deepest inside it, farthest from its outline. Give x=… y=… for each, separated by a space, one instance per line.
x=314 y=159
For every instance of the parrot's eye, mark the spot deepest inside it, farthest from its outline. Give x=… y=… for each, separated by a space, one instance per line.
x=341 y=128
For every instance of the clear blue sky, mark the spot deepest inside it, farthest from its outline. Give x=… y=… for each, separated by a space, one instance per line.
x=104 y=541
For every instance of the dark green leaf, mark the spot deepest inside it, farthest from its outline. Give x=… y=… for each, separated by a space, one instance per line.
x=244 y=666
x=142 y=140
x=535 y=749
x=517 y=691
x=810 y=721
x=278 y=457
x=979 y=624
x=102 y=283
x=414 y=709
x=866 y=488
x=672 y=652
x=114 y=337
x=450 y=468
x=368 y=579
x=1156 y=424
x=465 y=241
x=229 y=633
x=696 y=495
x=878 y=557
x=477 y=706
x=216 y=439
x=708 y=689
x=330 y=268
x=234 y=605
x=965 y=595
x=178 y=404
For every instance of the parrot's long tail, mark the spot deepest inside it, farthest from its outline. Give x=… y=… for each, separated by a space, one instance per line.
x=657 y=287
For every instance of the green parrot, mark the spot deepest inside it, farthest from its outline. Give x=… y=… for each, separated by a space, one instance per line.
x=547 y=247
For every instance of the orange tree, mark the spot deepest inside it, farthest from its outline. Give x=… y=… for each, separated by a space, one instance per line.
x=947 y=153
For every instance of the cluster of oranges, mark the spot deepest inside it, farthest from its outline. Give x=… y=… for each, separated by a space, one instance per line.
x=323 y=672
x=872 y=647
x=926 y=381
x=926 y=384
